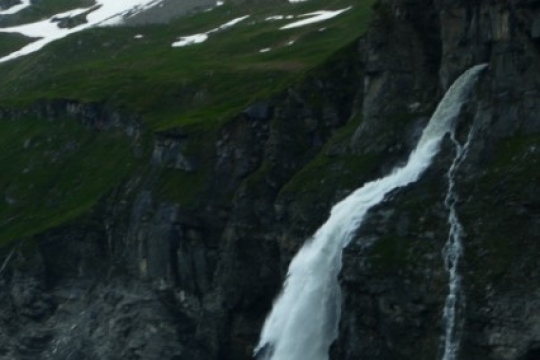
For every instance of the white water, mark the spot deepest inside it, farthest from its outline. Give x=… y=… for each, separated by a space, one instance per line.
x=452 y=252
x=304 y=320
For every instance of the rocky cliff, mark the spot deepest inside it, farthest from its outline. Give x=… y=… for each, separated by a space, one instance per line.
x=394 y=277
x=183 y=259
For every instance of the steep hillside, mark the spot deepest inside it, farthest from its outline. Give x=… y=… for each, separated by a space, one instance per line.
x=135 y=73
x=159 y=175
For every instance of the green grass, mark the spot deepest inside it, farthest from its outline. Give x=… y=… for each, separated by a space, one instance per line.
x=322 y=176
x=53 y=172
x=517 y=156
x=186 y=188
x=174 y=86
x=11 y=42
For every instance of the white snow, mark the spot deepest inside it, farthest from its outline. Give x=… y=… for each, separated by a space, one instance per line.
x=189 y=40
x=15 y=9
x=113 y=12
x=265 y=50
x=218 y=4
x=104 y=13
x=139 y=36
x=116 y=11
x=314 y=17
x=230 y=23
x=275 y=17
x=199 y=38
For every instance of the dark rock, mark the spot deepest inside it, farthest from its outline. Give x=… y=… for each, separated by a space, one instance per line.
x=70 y=22
x=259 y=111
x=6 y=4
x=535 y=29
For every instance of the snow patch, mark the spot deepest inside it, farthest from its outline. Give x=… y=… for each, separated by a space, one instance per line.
x=15 y=9
x=230 y=23
x=218 y=4
x=265 y=50
x=275 y=17
x=103 y=13
x=199 y=38
x=190 y=40
x=315 y=17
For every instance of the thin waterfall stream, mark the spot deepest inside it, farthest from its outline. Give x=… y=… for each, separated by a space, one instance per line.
x=304 y=320
x=452 y=253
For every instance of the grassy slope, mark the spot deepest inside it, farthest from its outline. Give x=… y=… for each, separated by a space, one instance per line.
x=45 y=172
x=11 y=42
x=321 y=176
x=172 y=86
x=64 y=168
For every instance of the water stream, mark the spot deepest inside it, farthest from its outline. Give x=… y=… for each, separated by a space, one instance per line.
x=304 y=320
x=452 y=253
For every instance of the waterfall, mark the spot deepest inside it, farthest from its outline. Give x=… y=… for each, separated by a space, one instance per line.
x=304 y=320
x=452 y=253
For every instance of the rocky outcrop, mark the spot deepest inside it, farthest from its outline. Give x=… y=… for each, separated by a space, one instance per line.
x=6 y=4
x=168 y=10
x=85 y=318
x=92 y=115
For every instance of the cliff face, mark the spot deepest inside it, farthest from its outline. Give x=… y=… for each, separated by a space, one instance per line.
x=394 y=277
x=183 y=259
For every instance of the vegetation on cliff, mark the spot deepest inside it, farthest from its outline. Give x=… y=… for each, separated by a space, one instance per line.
x=59 y=169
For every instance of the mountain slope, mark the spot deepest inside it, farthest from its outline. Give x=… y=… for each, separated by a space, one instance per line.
x=136 y=71
x=127 y=159
x=154 y=195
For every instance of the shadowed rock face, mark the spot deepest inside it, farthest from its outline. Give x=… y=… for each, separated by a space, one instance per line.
x=171 y=9
x=168 y=10
x=147 y=278
x=205 y=275
x=6 y=4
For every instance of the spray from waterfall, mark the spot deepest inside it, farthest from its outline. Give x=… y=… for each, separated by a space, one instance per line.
x=452 y=253
x=304 y=320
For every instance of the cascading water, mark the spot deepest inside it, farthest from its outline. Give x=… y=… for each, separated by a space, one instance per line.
x=304 y=320
x=452 y=253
